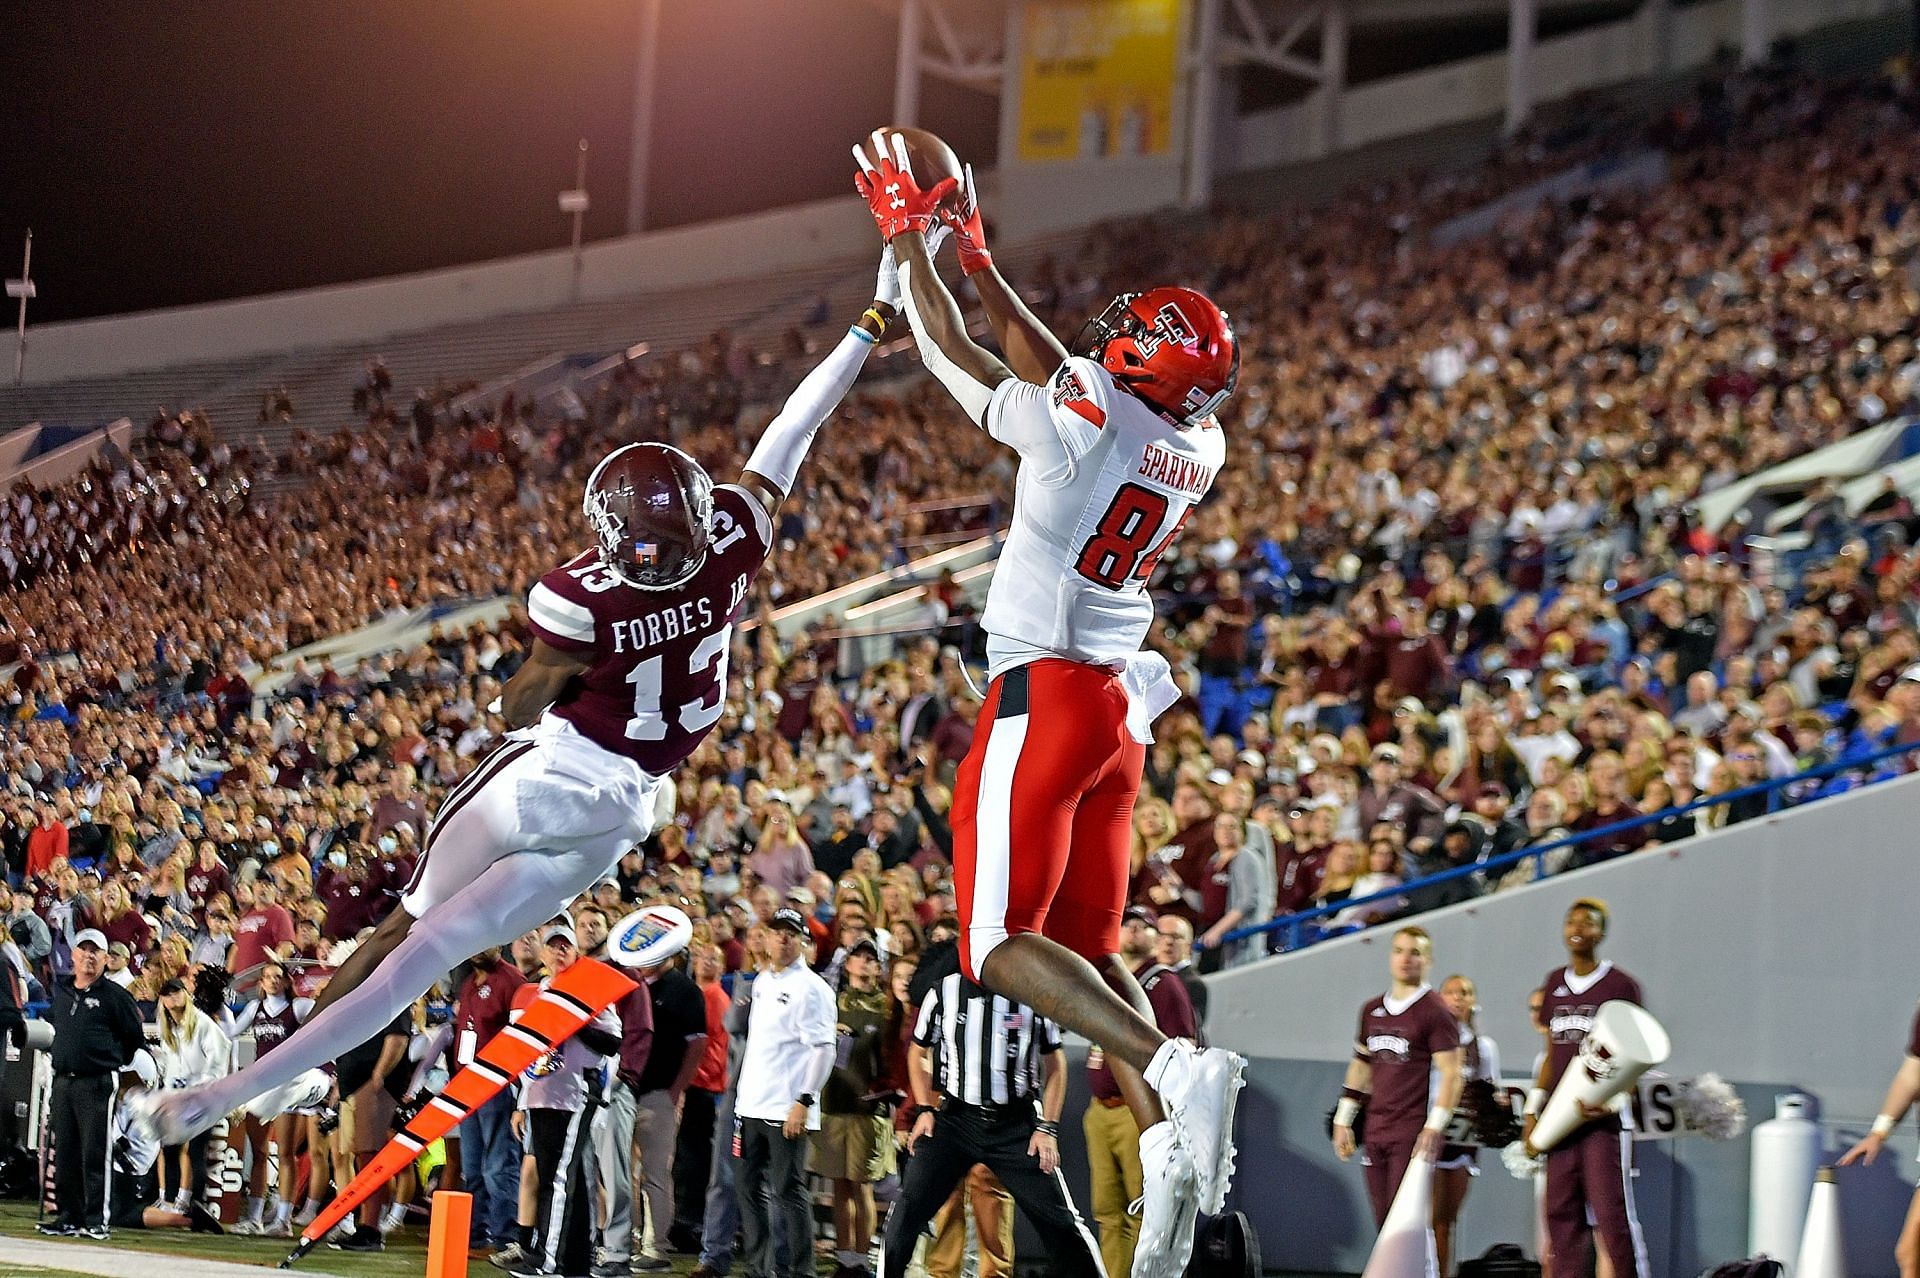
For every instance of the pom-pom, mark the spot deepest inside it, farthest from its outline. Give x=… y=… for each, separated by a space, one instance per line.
x=341 y=951
x=1521 y=1165
x=1708 y=1105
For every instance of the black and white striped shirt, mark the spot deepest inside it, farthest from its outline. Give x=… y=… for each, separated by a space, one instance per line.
x=985 y=1047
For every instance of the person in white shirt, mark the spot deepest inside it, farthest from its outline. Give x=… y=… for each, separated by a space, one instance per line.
x=192 y=1049
x=558 y=1096
x=790 y=1042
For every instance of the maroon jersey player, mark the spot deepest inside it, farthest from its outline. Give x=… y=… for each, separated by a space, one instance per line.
x=1904 y=1090
x=1589 y=1198
x=628 y=672
x=1405 y=1072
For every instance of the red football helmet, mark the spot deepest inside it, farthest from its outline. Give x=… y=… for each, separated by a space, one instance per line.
x=1172 y=347
x=651 y=507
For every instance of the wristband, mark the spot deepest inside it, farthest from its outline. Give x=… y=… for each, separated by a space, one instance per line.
x=805 y=1098
x=1883 y=1124
x=1536 y=1101
x=921 y=1111
x=1345 y=1112
x=1047 y=1127
x=1438 y=1117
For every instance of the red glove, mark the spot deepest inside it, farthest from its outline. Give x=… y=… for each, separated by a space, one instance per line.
x=969 y=232
x=893 y=197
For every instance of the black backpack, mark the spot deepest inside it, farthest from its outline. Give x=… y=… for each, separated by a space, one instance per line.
x=1502 y=1260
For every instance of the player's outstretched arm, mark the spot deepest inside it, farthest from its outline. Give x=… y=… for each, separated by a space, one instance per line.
x=783 y=446
x=1900 y=1097
x=904 y=213
x=1032 y=351
x=537 y=684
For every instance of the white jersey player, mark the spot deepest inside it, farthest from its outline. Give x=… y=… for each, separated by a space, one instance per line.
x=1117 y=445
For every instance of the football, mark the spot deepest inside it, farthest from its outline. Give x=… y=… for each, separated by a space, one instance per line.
x=932 y=159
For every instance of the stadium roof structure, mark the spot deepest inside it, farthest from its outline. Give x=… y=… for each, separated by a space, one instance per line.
x=972 y=42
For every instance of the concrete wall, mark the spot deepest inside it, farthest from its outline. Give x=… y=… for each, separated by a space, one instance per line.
x=1770 y=952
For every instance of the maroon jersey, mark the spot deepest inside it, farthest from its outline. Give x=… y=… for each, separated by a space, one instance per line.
x=270 y=1029
x=1571 y=1004
x=657 y=659
x=1398 y=1039
x=1172 y=1016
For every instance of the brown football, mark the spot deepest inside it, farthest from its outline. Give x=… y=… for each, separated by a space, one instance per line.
x=933 y=160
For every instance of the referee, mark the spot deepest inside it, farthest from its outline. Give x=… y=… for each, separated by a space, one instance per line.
x=96 y=1031
x=989 y=1059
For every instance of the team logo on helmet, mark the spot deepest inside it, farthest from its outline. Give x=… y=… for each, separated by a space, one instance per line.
x=1170 y=327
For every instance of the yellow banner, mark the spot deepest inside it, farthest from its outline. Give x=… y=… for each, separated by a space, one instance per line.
x=1097 y=78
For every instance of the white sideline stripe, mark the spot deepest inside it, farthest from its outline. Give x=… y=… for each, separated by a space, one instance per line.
x=34 y=1255
x=993 y=837
x=553 y=613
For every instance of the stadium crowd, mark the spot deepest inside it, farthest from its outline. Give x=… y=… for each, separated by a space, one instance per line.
x=1451 y=598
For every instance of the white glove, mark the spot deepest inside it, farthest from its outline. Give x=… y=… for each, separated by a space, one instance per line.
x=886 y=288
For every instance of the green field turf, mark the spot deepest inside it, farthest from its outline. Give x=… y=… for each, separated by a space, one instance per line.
x=405 y=1256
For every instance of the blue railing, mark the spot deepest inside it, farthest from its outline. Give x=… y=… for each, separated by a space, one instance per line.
x=1294 y=928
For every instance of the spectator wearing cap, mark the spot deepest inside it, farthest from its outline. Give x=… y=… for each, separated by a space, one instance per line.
x=558 y=1096
x=835 y=847
x=119 y=964
x=96 y=1031
x=854 y=1146
x=191 y=1049
x=790 y=1052
x=1390 y=799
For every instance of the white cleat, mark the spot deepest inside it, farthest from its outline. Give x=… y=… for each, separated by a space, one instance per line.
x=1169 y=1205
x=171 y=1117
x=1200 y=1087
x=298 y=1096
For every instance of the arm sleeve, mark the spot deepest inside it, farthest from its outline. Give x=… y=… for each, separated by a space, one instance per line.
x=784 y=443
x=973 y=395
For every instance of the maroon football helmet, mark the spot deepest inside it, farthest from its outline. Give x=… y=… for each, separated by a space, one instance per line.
x=650 y=506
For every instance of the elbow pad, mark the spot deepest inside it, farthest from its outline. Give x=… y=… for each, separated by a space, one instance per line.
x=973 y=396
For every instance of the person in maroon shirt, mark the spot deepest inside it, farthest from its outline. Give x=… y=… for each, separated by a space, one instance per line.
x=1113 y=1137
x=1590 y=1173
x=207 y=878
x=489 y=1155
x=264 y=931
x=1901 y=1094
x=1405 y=1036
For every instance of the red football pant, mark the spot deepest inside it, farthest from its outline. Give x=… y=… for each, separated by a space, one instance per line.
x=1045 y=797
x=1386 y=1167
x=1592 y=1170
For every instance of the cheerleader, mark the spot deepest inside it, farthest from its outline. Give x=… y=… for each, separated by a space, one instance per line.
x=272 y=1017
x=1479 y=1062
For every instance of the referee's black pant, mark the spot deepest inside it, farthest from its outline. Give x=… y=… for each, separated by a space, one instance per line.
x=82 y=1108
x=558 y=1140
x=997 y=1136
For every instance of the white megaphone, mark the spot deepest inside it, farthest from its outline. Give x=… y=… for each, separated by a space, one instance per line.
x=1823 y=1254
x=1405 y=1246
x=1624 y=1043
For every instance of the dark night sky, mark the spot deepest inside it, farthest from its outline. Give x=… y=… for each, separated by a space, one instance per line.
x=168 y=154
x=174 y=153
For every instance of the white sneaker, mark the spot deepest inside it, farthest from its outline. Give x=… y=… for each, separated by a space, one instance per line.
x=392 y=1218
x=171 y=1117
x=248 y=1228
x=1169 y=1205
x=282 y=1227
x=303 y=1093
x=1199 y=1087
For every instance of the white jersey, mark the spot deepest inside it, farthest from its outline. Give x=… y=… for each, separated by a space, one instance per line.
x=1104 y=485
